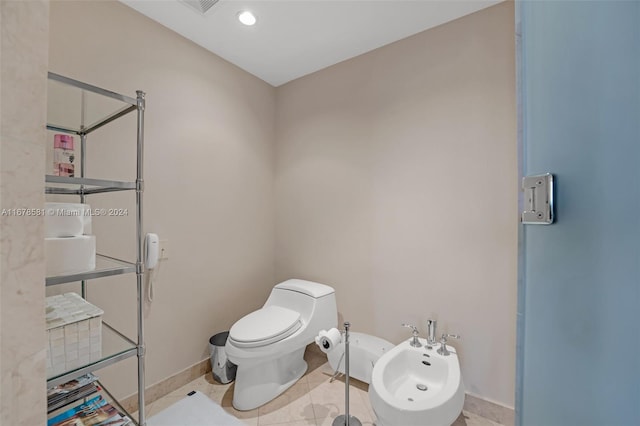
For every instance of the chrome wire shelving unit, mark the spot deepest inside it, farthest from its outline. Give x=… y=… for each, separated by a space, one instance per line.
x=77 y=118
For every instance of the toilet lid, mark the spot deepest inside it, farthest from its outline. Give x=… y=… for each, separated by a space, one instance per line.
x=264 y=326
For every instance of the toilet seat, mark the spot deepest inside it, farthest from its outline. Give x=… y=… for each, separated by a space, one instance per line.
x=265 y=326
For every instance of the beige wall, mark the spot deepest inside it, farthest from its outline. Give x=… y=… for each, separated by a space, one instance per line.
x=209 y=173
x=23 y=56
x=396 y=183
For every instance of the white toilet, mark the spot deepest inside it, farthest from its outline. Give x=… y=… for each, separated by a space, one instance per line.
x=268 y=345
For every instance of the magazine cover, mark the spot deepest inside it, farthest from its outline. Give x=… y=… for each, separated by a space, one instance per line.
x=95 y=412
x=72 y=384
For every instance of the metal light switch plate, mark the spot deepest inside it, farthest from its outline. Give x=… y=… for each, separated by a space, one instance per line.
x=538 y=199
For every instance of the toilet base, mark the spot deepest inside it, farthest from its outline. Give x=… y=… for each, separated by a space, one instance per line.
x=257 y=384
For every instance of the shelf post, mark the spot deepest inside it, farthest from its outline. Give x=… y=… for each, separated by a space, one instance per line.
x=139 y=260
x=83 y=170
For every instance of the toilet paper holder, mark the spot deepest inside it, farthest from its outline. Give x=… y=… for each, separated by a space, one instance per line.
x=326 y=340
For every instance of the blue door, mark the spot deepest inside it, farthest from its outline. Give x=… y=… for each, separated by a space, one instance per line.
x=579 y=278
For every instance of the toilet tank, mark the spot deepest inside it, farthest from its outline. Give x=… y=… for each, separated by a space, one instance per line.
x=316 y=302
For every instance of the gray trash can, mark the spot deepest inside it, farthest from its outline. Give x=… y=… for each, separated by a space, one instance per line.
x=224 y=371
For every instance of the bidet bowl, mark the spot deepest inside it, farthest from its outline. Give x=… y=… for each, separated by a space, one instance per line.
x=416 y=387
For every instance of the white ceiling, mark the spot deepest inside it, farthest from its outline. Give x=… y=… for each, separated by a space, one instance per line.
x=293 y=38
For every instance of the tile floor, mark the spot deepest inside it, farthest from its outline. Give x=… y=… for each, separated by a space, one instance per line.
x=312 y=401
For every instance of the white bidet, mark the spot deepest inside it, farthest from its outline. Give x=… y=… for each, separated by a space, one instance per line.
x=415 y=386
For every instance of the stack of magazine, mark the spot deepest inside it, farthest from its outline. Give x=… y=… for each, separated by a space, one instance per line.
x=94 y=412
x=72 y=391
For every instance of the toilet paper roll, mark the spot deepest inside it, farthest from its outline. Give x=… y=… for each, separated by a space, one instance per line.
x=67 y=220
x=327 y=340
x=70 y=255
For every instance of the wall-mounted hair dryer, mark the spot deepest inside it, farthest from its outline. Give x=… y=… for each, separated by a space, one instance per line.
x=151 y=256
x=152 y=250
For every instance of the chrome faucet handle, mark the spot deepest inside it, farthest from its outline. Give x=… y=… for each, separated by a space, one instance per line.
x=412 y=327
x=414 y=342
x=442 y=350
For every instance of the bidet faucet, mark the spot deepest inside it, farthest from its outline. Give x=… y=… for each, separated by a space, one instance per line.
x=442 y=350
x=414 y=342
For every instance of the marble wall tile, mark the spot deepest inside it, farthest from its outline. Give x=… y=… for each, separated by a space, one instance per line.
x=24 y=28
x=25 y=53
x=21 y=248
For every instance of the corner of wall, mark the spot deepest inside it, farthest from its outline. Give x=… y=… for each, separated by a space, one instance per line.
x=24 y=27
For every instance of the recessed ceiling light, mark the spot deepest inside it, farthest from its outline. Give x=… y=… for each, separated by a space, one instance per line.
x=246 y=17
